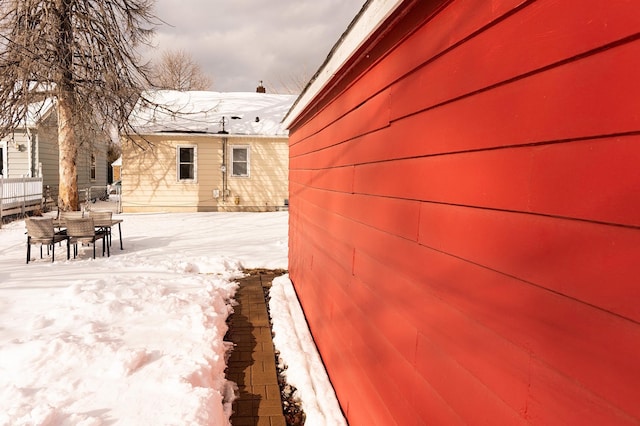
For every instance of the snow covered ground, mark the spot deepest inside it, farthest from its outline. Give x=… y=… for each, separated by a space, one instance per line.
x=137 y=338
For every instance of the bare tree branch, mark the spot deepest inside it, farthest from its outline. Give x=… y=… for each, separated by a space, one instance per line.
x=83 y=53
x=293 y=83
x=177 y=70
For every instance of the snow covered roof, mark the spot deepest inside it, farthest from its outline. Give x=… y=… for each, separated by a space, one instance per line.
x=372 y=15
x=238 y=113
x=37 y=111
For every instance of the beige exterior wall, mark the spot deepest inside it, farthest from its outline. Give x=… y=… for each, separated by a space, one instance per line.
x=267 y=185
x=150 y=175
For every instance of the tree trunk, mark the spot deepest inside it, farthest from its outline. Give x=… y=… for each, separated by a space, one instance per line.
x=67 y=142
x=68 y=148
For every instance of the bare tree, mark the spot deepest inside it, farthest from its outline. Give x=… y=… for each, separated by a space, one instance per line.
x=293 y=83
x=82 y=53
x=177 y=70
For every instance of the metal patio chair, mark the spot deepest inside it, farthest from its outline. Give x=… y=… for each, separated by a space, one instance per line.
x=70 y=215
x=59 y=221
x=103 y=221
x=83 y=230
x=41 y=231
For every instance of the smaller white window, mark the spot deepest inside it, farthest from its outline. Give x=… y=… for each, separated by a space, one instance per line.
x=186 y=162
x=240 y=161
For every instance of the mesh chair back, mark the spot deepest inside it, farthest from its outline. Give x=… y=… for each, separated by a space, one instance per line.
x=101 y=218
x=80 y=229
x=63 y=216
x=40 y=230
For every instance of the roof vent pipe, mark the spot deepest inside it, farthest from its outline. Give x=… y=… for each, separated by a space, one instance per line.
x=261 y=88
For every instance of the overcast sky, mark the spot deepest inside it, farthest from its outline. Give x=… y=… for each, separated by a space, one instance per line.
x=240 y=42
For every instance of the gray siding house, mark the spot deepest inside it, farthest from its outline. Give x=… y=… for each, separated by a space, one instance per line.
x=32 y=151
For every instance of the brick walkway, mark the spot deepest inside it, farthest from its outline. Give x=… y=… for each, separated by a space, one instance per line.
x=252 y=363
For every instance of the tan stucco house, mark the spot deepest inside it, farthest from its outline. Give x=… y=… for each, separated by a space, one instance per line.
x=206 y=151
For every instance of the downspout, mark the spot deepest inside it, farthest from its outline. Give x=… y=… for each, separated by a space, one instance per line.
x=223 y=168
x=34 y=155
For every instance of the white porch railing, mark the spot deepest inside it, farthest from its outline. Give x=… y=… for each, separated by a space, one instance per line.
x=19 y=195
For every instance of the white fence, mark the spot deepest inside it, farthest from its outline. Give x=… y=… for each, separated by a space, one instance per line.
x=19 y=195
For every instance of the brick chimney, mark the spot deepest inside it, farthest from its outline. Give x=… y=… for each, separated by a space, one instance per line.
x=260 y=88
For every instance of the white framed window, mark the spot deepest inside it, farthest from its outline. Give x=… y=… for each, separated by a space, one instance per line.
x=240 y=161
x=3 y=160
x=186 y=162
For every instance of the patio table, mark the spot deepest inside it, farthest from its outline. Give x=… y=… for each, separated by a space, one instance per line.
x=59 y=224
x=111 y=224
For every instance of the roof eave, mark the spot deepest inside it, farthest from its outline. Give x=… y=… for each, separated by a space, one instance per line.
x=372 y=15
x=209 y=135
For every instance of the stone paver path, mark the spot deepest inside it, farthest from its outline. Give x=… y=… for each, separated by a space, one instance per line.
x=252 y=363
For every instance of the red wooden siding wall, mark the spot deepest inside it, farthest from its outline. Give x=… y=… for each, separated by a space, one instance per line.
x=465 y=217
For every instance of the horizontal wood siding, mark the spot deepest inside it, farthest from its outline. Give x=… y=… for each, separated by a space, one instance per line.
x=267 y=184
x=17 y=160
x=85 y=151
x=39 y=157
x=149 y=175
x=465 y=219
x=47 y=150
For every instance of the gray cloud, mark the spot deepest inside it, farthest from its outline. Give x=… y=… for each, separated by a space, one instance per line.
x=240 y=42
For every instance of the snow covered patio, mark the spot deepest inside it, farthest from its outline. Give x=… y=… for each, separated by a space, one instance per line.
x=136 y=338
